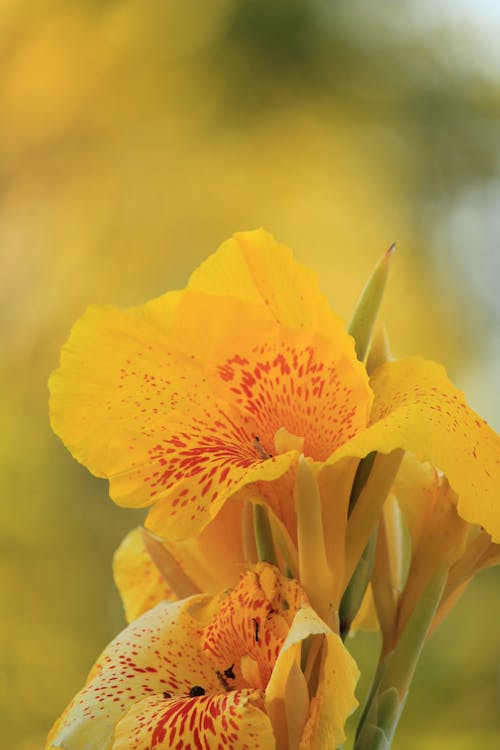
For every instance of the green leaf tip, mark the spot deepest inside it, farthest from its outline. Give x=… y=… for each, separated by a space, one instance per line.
x=367 y=307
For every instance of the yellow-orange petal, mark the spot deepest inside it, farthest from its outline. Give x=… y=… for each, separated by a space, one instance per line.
x=207 y=722
x=299 y=380
x=162 y=423
x=156 y=654
x=255 y=267
x=418 y=409
x=214 y=559
x=137 y=578
x=334 y=700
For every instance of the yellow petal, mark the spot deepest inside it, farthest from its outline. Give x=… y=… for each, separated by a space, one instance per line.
x=388 y=569
x=172 y=412
x=418 y=409
x=255 y=267
x=334 y=700
x=315 y=574
x=207 y=722
x=137 y=578
x=214 y=559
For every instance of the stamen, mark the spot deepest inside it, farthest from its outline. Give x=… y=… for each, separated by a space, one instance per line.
x=256 y=626
x=223 y=681
x=261 y=451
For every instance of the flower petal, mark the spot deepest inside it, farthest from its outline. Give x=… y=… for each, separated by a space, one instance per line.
x=209 y=722
x=252 y=624
x=418 y=409
x=163 y=423
x=156 y=654
x=334 y=700
x=255 y=267
x=137 y=578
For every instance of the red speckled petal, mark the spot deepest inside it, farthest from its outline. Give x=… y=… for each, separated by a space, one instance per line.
x=137 y=578
x=157 y=653
x=228 y=721
x=168 y=406
x=417 y=408
x=257 y=268
x=295 y=379
x=302 y=381
x=252 y=623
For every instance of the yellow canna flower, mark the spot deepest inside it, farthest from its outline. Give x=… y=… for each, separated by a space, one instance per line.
x=211 y=672
x=202 y=395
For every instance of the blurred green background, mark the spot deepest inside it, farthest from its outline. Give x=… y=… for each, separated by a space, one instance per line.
x=137 y=135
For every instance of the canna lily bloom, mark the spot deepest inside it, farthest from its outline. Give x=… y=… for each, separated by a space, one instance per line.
x=214 y=393
x=217 y=672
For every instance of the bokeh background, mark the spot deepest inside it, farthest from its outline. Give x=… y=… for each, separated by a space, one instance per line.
x=135 y=136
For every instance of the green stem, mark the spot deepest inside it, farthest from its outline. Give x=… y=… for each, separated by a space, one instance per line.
x=355 y=591
x=385 y=704
x=263 y=535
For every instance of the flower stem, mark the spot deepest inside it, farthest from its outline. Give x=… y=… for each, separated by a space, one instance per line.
x=395 y=673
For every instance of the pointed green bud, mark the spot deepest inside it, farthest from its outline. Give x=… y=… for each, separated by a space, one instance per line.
x=365 y=312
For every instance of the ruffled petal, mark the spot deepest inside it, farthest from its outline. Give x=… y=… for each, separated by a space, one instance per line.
x=418 y=409
x=209 y=722
x=186 y=416
x=255 y=267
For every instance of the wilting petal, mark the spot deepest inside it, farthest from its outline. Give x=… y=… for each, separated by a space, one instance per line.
x=156 y=654
x=418 y=409
x=209 y=722
x=137 y=578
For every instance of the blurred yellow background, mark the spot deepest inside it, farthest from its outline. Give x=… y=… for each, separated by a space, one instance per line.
x=135 y=136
